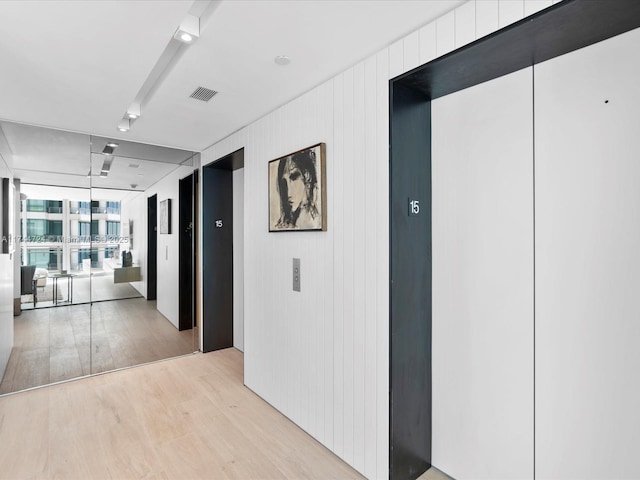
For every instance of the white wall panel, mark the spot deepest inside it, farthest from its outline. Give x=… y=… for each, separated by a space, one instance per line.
x=487 y=17
x=411 y=49
x=446 y=33
x=6 y=279
x=168 y=261
x=510 y=11
x=534 y=6
x=588 y=262
x=427 y=37
x=321 y=356
x=238 y=259
x=369 y=251
x=483 y=280
x=396 y=59
x=380 y=201
x=465 y=29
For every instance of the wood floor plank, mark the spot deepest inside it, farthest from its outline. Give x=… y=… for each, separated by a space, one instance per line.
x=190 y=417
x=104 y=336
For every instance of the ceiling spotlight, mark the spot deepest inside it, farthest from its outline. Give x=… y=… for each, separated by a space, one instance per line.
x=134 y=185
x=282 y=60
x=123 y=125
x=189 y=30
x=112 y=144
x=133 y=111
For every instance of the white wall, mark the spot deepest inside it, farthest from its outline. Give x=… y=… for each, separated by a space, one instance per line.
x=588 y=262
x=238 y=259
x=321 y=356
x=7 y=267
x=482 y=167
x=135 y=208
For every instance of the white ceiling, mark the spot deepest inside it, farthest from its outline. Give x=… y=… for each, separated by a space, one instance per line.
x=78 y=65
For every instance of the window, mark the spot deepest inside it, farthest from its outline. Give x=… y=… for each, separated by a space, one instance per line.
x=113 y=207
x=35 y=205
x=39 y=258
x=36 y=227
x=48 y=206
x=113 y=228
x=84 y=229
x=84 y=208
x=53 y=206
x=54 y=227
x=95 y=227
x=95 y=207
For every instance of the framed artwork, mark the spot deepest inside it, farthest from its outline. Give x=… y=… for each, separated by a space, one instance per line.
x=297 y=191
x=165 y=216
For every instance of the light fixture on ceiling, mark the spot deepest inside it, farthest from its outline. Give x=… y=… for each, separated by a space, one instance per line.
x=133 y=186
x=109 y=148
x=133 y=111
x=282 y=60
x=106 y=166
x=189 y=30
x=124 y=125
x=134 y=165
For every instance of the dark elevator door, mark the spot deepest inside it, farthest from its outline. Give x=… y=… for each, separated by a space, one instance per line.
x=217 y=258
x=152 y=247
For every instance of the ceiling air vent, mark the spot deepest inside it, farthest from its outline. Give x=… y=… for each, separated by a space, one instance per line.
x=203 y=94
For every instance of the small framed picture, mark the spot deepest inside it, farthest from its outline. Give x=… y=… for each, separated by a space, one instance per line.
x=297 y=191
x=165 y=216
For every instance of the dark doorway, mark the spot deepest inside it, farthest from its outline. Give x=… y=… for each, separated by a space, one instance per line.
x=187 y=235
x=152 y=247
x=217 y=251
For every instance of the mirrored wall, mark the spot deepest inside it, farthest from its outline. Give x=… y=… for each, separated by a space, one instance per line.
x=103 y=255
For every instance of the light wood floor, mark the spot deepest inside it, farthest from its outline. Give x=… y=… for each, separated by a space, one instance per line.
x=185 y=418
x=64 y=342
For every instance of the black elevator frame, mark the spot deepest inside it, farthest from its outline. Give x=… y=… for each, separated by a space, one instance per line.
x=554 y=31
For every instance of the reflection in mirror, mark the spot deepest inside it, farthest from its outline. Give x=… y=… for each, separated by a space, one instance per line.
x=82 y=257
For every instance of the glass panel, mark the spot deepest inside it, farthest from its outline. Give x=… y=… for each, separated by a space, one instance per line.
x=127 y=327
x=51 y=327
x=82 y=252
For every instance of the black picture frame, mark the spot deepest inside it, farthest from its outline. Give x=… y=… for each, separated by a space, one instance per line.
x=165 y=216
x=297 y=191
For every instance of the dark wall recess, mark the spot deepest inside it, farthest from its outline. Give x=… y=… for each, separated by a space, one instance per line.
x=410 y=301
x=186 y=237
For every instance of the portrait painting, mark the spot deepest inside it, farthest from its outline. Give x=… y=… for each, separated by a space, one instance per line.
x=165 y=216
x=297 y=192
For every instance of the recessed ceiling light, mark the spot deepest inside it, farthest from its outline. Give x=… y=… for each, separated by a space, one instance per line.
x=140 y=175
x=123 y=125
x=134 y=165
x=189 y=29
x=133 y=111
x=282 y=60
x=112 y=144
